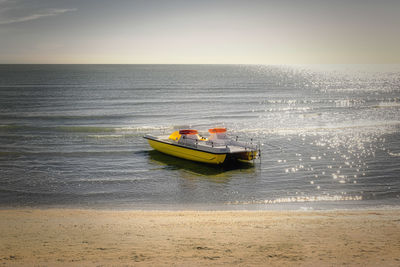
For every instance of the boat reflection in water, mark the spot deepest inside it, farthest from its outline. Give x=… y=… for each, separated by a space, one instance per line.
x=215 y=173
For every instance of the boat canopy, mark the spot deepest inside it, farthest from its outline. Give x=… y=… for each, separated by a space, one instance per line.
x=188 y=131
x=217 y=130
x=218 y=135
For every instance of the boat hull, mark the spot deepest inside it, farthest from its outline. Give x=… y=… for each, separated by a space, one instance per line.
x=187 y=153
x=243 y=156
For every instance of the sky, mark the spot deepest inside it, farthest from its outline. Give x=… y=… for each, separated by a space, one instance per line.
x=200 y=31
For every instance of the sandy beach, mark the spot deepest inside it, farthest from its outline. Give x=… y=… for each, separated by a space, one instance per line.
x=72 y=237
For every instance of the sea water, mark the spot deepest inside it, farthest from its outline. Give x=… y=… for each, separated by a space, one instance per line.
x=72 y=135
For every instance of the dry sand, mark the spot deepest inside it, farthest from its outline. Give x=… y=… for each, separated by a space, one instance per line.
x=58 y=237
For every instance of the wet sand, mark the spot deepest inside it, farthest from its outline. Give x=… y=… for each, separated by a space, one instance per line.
x=72 y=237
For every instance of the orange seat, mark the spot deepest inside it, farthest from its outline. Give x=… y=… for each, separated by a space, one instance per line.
x=217 y=130
x=188 y=131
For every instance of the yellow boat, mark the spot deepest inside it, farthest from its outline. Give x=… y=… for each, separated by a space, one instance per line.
x=216 y=149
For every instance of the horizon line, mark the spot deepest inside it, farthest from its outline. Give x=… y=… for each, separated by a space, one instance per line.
x=247 y=64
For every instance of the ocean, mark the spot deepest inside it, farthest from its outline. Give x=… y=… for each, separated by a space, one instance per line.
x=72 y=136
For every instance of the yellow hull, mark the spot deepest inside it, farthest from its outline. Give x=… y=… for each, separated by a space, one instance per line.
x=187 y=153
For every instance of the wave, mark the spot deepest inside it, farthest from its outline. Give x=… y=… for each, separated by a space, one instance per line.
x=67 y=153
x=83 y=129
x=373 y=126
x=133 y=131
x=388 y=105
x=230 y=117
x=73 y=196
x=80 y=117
x=394 y=154
x=9 y=153
x=111 y=136
x=298 y=199
x=361 y=90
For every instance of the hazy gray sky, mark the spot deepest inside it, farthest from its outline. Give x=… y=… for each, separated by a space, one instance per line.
x=203 y=31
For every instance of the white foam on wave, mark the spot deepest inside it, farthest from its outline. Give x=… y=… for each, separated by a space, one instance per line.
x=106 y=136
x=298 y=199
x=143 y=128
x=394 y=154
x=388 y=105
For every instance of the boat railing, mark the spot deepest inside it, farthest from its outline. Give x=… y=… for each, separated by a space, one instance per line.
x=189 y=142
x=196 y=142
x=219 y=144
x=246 y=145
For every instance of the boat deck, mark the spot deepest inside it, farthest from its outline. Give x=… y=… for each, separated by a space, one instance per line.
x=226 y=147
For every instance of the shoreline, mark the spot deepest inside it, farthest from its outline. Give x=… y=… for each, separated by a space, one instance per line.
x=59 y=237
x=206 y=207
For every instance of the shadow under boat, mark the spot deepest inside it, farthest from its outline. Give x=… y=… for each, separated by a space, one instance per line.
x=203 y=169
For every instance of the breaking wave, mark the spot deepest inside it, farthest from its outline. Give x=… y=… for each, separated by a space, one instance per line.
x=298 y=199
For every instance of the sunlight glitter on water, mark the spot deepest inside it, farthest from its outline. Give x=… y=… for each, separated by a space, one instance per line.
x=298 y=199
